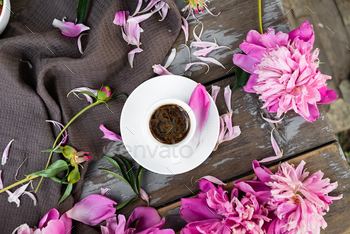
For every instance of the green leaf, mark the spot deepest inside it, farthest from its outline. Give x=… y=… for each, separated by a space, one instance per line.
x=60 y=151
x=120 y=95
x=88 y=93
x=125 y=204
x=129 y=171
x=52 y=170
x=115 y=174
x=54 y=178
x=66 y=193
x=81 y=10
x=138 y=179
x=115 y=163
x=242 y=78
x=74 y=176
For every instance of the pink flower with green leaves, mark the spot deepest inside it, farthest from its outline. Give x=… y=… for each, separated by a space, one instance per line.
x=284 y=71
x=148 y=222
x=296 y=200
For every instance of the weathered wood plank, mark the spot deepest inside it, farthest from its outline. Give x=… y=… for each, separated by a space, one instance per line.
x=237 y=18
x=231 y=160
x=326 y=159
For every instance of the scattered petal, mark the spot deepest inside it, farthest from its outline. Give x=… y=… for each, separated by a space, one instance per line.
x=170 y=58
x=144 y=196
x=31 y=196
x=197 y=63
x=69 y=29
x=189 y=52
x=203 y=44
x=82 y=89
x=272 y=120
x=60 y=126
x=227 y=95
x=79 y=42
x=131 y=55
x=6 y=153
x=200 y=103
x=109 y=134
x=211 y=60
x=20 y=167
x=13 y=197
x=214 y=92
x=185 y=28
x=276 y=148
x=121 y=17
x=164 y=11
x=104 y=191
x=160 y=70
x=198 y=38
x=1 y=184
x=138 y=7
x=213 y=180
x=151 y=4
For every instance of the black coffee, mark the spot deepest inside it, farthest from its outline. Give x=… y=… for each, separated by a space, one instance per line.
x=169 y=124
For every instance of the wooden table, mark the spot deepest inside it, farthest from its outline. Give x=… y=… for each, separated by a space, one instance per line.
x=315 y=143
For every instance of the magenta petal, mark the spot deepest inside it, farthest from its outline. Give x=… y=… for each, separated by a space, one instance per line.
x=147 y=217
x=5 y=154
x=69 y=29
x=109 y=134
x=160 y=70
x=196 y=209
x=1 y=184
x=206 y=226
x=67 y=222
x=51 y=215
x=92 y=210
x=131 y=55
x=249 y=87
x=262 y=173
x=121 y=17
x=54 y=226
x=200 y=102
x=305 y=32
x=253 y=50
x=276 y=148
x=327 y=95
x=254 y=37
x=245 y=62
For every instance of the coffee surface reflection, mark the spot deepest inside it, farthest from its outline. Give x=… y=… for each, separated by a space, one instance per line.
x=169 y=124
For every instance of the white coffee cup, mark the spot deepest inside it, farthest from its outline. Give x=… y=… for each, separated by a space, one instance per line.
x=184 y=148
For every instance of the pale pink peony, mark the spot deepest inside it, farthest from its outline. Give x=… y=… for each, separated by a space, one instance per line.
x=213 y=212
x=284 y=71
x=299 y=202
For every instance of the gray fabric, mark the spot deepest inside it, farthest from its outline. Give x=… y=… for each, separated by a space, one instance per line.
x=31 y=96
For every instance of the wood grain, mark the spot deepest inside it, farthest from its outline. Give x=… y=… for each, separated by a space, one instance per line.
x=232 y=159
x=326 y=159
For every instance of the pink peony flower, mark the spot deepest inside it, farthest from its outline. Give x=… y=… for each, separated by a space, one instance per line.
x=50 y=223
x=213 y=212
x=298 y=201
x=148 y=222
x=284 y=71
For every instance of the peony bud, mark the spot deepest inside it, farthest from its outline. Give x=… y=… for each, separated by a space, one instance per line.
x=104 y=93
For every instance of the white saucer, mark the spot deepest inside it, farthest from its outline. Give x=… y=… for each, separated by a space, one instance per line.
x=149 y=154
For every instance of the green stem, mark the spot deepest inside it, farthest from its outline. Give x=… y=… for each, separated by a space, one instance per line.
x=60 y=134
x=260 y=18
x=18 y=183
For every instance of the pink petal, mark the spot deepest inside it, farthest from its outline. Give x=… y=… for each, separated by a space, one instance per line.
x=121 y=17
x=144 y=196
x=6 y=153
x=327 y=95
x=233 y=132
x=272 y=120
x=54 y=226
x=249 y=87
x=80 y=46
x=131 y=55
x=202 y=44
x=211 y=60
x=140 y=18
x=160 y=70
x=210 y=11
x=60 y=126
x=245 y=62
x=151 y=4
x=138 y=7
x=109 y=134
x=197 y=63
x=304 y=32
x=53 y=214
x=213 y=180
x=227 y=95
x=92 y=210
x=32 y=196
x=164 y=11
x=14 y=196
x=147 y=217
x=214 y=92
x=276 y=148
x=104 y=191
x=198 y=38
x=170 y=58
x=81 y=89
x=23 y=229
x=200 y=102
x=69 y=29
x=67 y=222
x=185 y=28
x=17 y=201
x=1 y=184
